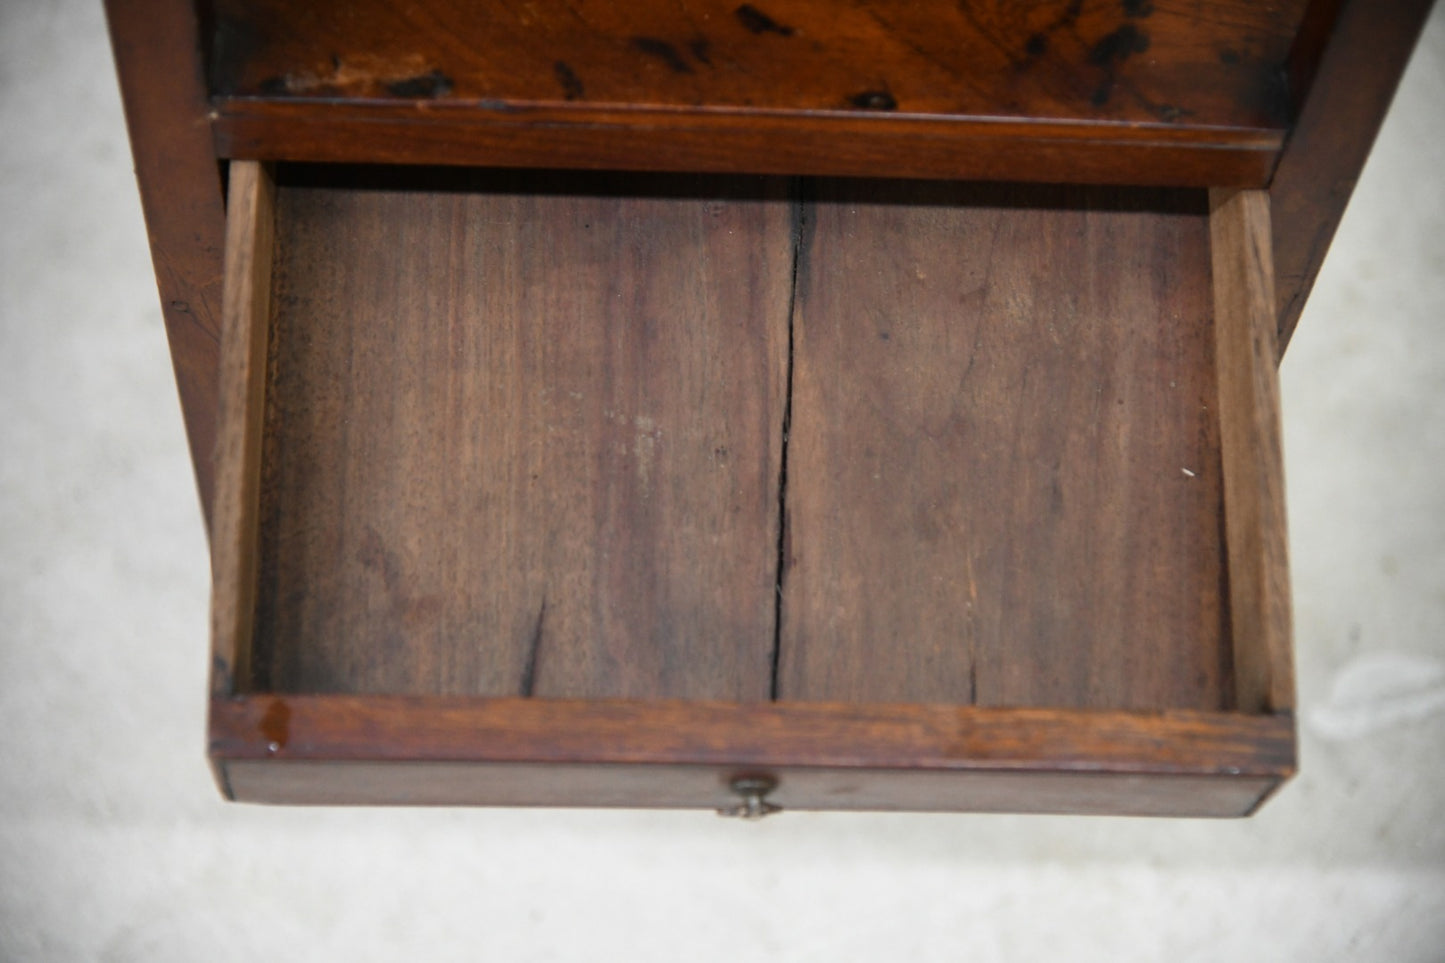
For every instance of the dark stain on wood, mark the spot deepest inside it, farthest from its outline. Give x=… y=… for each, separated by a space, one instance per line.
x=1138 y=8
x=760 y=23
x=874 y=100
x=234 y=42
x=1117 y=47
x=1038 y=42
x=433 y=83
x=701 y=49
x=1228 y=55
x=567 y=77
x=1109 y=52
x=663 y=51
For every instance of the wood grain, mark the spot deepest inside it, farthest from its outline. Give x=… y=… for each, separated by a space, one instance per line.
x=1345 y=67
x=1003 y=474
x=432 y=728
x=686 y=787
x=833 y=145
x=1246 y=351
x=246 y=313
x=328 y=749
x=523 y=435
x=870 y=88
x=1207 y=63
x=158 y=60
x=1002 y=478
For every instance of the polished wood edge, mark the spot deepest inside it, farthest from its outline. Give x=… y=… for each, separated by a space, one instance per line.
x=1251 y=450
x=246 y=307
x=812 y=144
x=156 y=45
x=1348 y=59
x=648 y=118
x=460 y=729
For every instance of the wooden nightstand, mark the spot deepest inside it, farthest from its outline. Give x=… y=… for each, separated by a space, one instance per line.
x=864 y=406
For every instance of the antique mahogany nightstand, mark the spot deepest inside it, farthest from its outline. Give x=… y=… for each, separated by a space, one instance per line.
x=794 y=404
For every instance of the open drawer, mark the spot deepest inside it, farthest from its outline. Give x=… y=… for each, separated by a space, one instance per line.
x=586 y=489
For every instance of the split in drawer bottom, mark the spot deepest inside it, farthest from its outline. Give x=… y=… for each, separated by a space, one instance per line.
x=587 y=489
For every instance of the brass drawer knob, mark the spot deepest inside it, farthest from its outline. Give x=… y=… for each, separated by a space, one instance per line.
x=751 y=790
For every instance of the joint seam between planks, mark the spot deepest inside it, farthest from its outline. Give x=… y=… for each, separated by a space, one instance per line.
x=800 y=214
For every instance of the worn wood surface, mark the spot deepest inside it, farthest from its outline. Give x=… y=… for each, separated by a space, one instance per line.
x=1347 y=64
x=870 y=88
x=1003 y=481
x=430 y=728
x=158 y=60
x=315 y=749
x=523 y=436
x=684 y=787
x=841 y=144
x=236 y=536
x=1252 y=452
